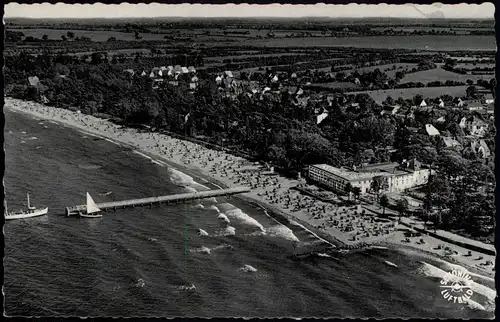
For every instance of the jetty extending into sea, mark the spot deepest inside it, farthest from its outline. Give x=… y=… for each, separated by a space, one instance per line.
x=105 y=206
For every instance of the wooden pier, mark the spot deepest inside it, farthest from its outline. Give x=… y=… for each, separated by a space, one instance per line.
x=75 y=210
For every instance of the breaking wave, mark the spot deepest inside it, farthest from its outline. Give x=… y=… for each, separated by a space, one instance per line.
x=189 y=287
x=223 y=218
x=247 y=269
x=227 y=231
x=181 y=179
x=283 y=232
x=214 y=208
x=140 y=283
x=244 y=218
x=202 y=232
x=202 y=249
x=208 y=251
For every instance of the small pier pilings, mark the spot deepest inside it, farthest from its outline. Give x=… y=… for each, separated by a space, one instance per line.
x=75 y=210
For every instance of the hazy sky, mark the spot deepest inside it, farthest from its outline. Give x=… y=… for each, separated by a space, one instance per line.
x=99 y=10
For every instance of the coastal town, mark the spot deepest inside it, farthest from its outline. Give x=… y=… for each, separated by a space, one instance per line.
x=360 y=147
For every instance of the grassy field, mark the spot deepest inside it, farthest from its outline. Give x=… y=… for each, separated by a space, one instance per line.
x=476 y=65
x=126 y=52
x=427 y=92
x=335 y=85
x=382 y=68
x=408 y=42
x=439 y=74
x=221 y=58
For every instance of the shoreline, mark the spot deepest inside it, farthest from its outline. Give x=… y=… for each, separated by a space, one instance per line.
x=197 y=166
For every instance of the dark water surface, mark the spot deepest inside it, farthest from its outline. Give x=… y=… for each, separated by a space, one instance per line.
x=144 y=262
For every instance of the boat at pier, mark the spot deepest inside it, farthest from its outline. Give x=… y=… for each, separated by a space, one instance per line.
x=92 y=210
x=28 y=213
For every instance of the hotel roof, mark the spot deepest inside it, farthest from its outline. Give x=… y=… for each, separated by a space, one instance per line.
x=348 y=174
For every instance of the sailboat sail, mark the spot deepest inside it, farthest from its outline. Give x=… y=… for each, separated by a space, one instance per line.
x=91 y=205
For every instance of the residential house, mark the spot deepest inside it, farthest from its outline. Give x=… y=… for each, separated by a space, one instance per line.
x=174 y=81
x=423 y=104
x=441 y=103
x=155 y=73
x=184 y=70
x=474 y=105
x=475 y=125
x=218 y=80
x=390 y=109
x=143 y=73
x=129 y=71
x=480 y=148
x=462 y=123
x=321 y=117
x=191 y=69
x=177 y=69
x=301 y=101
x=34 y=81
x=489 y=99
x=194 y=82
x=228 y=82
x=431 y=130
x=460 y=103
x=491 y=110
x=451 y=143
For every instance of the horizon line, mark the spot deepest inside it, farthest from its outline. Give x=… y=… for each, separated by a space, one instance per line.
x=252 y=17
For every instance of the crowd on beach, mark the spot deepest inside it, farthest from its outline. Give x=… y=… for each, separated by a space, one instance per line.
x=348 y=224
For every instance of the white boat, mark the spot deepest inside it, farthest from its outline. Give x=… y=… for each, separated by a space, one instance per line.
x=28 y=213
x=92 y=209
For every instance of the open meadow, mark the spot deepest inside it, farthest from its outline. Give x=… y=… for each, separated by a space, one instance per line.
x=439 y=74
x=406 y=93
x=444 y=43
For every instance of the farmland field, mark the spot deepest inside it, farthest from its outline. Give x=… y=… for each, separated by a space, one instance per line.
x=221 y=58
x=469 y=58
x=126 y=52
x=475 y=65
x=94 y=35
x=382 y=68
x=335 y=85
x=380 y=95
x=444 y=43
x=439 y=74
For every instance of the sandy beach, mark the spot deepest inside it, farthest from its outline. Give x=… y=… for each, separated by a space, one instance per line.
x=348 y=225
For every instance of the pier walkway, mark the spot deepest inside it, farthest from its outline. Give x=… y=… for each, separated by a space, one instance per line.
x=75 y=210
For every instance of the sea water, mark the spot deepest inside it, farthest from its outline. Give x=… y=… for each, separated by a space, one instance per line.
x=155 y=262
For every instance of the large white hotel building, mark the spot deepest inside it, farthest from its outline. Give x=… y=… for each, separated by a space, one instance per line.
x=399 y=177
